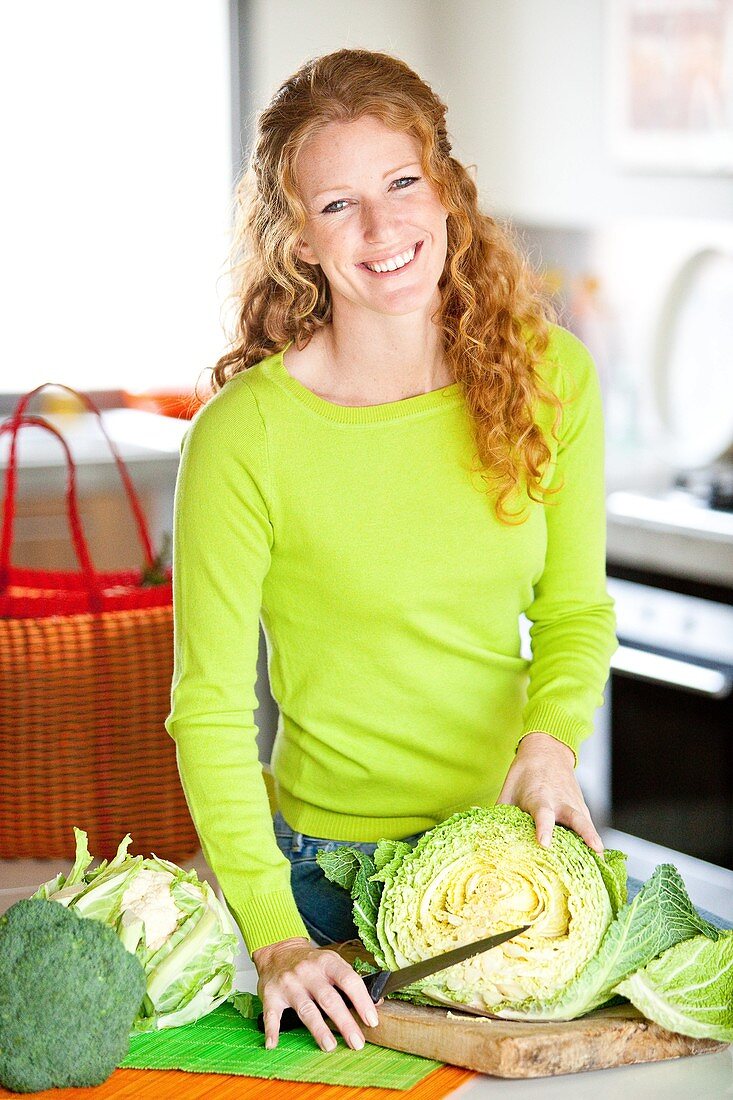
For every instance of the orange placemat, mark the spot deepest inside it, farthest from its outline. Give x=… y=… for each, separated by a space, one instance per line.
x=149 y=1084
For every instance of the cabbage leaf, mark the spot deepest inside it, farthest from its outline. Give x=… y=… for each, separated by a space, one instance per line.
x=689 y=988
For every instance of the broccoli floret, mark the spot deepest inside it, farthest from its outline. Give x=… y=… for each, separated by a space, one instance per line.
x=69 y=992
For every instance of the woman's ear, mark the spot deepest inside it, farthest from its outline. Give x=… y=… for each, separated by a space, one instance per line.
x=305 y=253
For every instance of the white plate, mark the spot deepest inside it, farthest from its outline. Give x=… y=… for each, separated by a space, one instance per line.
x=693 y=360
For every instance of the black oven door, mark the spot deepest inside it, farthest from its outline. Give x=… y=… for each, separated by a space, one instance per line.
x=672 y=751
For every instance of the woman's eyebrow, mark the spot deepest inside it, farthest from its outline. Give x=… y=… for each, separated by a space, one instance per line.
x=346 y=187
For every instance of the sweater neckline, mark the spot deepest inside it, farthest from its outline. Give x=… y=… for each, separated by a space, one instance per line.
x=443 y=397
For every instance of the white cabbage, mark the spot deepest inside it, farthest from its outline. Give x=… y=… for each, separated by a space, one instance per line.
x=480 y=873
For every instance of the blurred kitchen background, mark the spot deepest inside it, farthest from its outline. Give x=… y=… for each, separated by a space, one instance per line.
x=602 y=131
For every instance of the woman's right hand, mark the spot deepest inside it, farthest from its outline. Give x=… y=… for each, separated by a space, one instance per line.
x=293 y=974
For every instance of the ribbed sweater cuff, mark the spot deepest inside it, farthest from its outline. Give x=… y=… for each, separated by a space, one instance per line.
x=552 y=719
x=268 y=919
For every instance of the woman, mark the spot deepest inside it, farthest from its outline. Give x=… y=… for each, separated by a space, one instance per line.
x=403 y=455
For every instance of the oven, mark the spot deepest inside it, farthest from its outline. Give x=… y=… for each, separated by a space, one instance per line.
x=671 y=714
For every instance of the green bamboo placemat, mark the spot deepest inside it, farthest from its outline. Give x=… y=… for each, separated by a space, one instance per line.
x=226 y=1041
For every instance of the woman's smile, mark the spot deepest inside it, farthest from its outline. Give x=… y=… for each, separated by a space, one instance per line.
x=395 y=264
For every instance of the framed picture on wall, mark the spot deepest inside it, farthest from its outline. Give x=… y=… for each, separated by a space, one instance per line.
x=668 y=85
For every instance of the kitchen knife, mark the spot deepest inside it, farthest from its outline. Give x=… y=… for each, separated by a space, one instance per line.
x=387 y=981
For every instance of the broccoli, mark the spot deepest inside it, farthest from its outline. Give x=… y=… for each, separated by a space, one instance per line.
x=69 y=992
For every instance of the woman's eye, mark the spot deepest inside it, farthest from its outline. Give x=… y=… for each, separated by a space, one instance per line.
x=409 y=179
x=335 y=207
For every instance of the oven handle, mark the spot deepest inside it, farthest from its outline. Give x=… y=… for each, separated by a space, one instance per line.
x=654 y=668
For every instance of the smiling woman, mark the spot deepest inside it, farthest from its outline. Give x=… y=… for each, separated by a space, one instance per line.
x=403 y=454
x=326 y=193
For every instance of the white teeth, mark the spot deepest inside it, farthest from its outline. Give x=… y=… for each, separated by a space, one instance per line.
x=395 y=262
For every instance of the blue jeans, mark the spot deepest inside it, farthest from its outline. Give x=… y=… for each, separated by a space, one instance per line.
x=326 y=908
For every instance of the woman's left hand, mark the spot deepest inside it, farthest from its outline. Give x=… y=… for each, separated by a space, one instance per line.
x=541 y=781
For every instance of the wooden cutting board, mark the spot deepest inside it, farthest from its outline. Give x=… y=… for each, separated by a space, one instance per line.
x=616 y=1036
x=504 y=1048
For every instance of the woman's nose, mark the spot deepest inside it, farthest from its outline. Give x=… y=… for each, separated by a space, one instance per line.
x=378 y=223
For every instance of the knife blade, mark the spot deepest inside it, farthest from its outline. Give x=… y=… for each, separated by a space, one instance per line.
x=384 y=982
x=396 y=979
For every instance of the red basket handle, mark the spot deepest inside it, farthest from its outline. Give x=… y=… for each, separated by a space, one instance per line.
x=72 y=503
x=137 y=509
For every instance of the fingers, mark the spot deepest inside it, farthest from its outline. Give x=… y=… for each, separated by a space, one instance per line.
x=576 y=818
x=329 y=999
x=313 y=1020
x=271 y=1017
x=579 y=819
x=308 y=1012
x=354 y=988
x=309 y=988
x=547 y=813
x=544 y=819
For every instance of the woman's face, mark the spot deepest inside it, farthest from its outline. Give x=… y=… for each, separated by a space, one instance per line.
x=367 y=201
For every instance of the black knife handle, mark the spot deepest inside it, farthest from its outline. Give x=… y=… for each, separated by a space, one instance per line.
x=375 y=983
x=290 y=1020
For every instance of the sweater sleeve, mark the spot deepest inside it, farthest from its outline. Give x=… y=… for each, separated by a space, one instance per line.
x=221 y=555
x=572 y=615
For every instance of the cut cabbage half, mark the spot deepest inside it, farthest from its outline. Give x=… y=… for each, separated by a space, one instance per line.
x=483 y=872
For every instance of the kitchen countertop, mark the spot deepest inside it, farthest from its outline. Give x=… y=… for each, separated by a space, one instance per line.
x=671 y=534
x=706 y=1077
x=652 y=525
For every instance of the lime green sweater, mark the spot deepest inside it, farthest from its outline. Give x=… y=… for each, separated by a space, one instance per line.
x=389 y=595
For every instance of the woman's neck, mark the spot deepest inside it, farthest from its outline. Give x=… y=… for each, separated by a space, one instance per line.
x=361 y=363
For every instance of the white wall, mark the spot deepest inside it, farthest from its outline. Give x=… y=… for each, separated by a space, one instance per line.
x=524 y=84
x=282 y=34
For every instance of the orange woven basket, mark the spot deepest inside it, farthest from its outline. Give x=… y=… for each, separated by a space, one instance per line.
x=86 y=661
